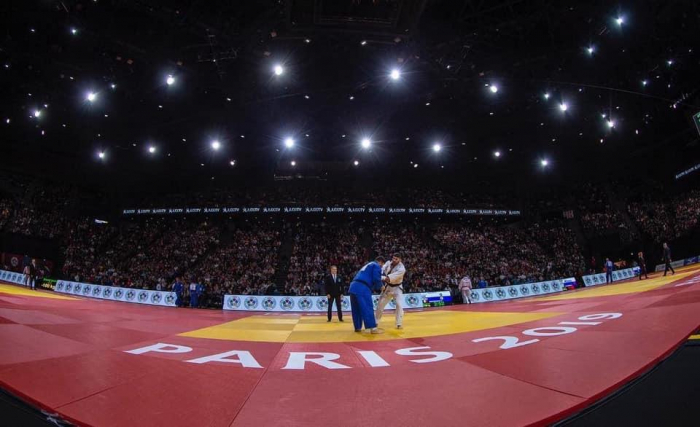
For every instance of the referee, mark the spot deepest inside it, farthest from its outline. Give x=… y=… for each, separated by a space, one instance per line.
x=334 y=292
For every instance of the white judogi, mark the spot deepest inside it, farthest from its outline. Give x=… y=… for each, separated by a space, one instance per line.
x=395 y=276
x=465 y=286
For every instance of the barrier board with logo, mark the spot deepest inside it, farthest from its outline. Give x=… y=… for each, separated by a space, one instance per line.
x=112 y=293
x=679 y=263
x=599 y=279
x=13 y=277
x=309 y=304
x=517 y=291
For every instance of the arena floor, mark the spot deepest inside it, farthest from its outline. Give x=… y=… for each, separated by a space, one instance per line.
x=525 y=362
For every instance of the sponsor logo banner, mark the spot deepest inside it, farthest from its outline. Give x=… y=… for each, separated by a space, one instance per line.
x=137 y=296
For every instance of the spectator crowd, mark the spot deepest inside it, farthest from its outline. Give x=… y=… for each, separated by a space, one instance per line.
x=291 y=257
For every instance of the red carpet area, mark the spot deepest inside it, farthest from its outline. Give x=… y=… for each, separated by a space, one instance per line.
x=523 y=362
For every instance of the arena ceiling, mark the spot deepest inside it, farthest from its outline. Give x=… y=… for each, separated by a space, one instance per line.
x=475 y=78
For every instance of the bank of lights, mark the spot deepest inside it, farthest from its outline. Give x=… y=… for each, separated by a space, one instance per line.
x=278 y=70
x=366 y=143
x=170 y=80
x=215 y=145
x=289 y=142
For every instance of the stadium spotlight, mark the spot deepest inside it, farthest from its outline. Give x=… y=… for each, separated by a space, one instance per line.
x=91 y=96
x=611 y=124
x=152 y=149
x=544 y=163
x=215 y=145
x=437 y=147
x=620 y=20
x=590 y=49
x=74 y=31
x=546 y=95
x=278 y=70
x=493 y=88
x=113 y=86
x=101 y=155
x=232 y=163
x=356 y=163
x=363 y=42
x=644 y=82
x=563 y=107
x=289 y=142
x=366 y=143
x=497 y=154
x=170 y=80
x=37 y=113
x=395 y=74
x=293 y=163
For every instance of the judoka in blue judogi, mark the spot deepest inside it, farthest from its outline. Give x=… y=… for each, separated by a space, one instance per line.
x=368 y=279
x=178 y=288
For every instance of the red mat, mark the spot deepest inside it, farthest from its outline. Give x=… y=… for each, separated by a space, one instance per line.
x=71 y=356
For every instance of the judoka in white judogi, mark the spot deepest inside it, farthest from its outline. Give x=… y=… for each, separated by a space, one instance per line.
x=392 y=276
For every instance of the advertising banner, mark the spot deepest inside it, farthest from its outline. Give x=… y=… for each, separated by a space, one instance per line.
x=318 y=210
x=599 y=278
x=136 y=296
x=13 y=277
x=503 y=293
x=308 y=304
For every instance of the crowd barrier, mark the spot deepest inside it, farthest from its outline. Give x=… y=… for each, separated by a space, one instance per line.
x=679 y=263
x=12 y=277
x=599 y=279
x=319 y=303
x=310 y=304
x=518 y=291
x=111 y=293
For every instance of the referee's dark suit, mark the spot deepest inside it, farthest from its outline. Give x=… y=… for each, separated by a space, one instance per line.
x=334 y=289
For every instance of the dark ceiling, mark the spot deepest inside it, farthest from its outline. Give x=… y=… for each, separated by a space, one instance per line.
x=222 y=54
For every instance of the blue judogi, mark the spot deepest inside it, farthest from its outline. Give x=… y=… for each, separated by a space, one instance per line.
x=369 y=278
x=178 y=288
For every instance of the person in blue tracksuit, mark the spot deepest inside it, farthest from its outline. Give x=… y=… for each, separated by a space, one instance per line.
x=200 y=291
x=609 y=266
x=178 y=288
x=368 y=279
x=194 y=295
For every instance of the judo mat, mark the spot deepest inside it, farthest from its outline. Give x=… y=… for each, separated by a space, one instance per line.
x=533 y=361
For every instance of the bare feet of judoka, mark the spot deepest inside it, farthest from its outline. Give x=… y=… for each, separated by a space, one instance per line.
x=377 y=330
